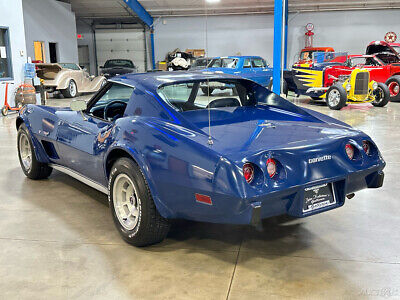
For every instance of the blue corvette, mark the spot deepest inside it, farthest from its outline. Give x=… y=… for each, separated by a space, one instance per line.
x=162 y=150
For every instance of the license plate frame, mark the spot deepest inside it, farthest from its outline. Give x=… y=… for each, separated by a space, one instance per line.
x=318 y=197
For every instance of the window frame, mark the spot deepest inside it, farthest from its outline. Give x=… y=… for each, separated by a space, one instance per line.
x=100 y=94
x=8 y=52
x=250 y=63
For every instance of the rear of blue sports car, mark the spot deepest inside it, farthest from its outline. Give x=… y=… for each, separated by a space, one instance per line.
x=275 y=158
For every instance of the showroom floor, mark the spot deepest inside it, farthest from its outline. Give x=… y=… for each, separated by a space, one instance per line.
x=57 y=240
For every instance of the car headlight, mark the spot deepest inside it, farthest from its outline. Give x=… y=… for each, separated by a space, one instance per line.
x=348 y=87
x=375 y=85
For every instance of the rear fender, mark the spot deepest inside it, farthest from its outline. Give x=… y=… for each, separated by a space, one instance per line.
x=143 y=165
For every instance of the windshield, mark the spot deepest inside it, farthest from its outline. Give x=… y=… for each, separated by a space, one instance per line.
x=229 y=63
x=362 y=61
x=201 y=62
x=307 y=55
x=122 y=63
x=325 y=57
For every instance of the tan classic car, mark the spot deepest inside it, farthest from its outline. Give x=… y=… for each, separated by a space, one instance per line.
x=68 y=78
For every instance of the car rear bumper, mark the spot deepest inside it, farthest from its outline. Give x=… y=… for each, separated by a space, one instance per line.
x=288 y=201
x=292 y=203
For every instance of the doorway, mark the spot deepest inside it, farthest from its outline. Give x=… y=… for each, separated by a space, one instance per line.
x=39 y=51
x=83 y=56
x=53 y=52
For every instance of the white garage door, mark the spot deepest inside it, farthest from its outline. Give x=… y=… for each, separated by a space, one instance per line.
x=121 y=43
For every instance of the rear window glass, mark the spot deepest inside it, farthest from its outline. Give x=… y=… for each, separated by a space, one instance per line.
x=70 y=66
x=206 y=94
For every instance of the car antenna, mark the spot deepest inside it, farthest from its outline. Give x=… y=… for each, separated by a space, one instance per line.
x=210 y=140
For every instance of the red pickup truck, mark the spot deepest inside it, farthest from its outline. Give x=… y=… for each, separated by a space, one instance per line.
x=383 y=61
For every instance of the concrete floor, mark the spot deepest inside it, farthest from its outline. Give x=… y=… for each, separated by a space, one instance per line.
x=58 y=241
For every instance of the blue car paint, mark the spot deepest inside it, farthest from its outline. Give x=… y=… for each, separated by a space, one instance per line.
x=260 y=75
x=172 y=151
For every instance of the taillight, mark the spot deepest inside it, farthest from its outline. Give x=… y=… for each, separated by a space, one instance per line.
x=248 y=172
x=349 y=151
x=271 y=167
x=366 y=147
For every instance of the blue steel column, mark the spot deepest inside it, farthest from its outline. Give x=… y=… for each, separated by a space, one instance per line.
x=146 y=19
x=280 y=41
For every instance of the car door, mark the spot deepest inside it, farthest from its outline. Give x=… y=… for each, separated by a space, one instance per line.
x=83 y=139
x=245 y=70
x=262 y=72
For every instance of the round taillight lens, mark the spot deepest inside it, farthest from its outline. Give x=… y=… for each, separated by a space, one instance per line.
x=366 y=147
x=349 y=151
x=248 y=172
x=271 y=167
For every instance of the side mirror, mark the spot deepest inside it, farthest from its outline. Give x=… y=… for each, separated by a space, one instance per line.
x=79 y=105
x=101 y=67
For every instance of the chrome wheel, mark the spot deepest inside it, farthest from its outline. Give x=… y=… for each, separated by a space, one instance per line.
x=127 y=203
x=72 y=88
x=334 y=98
x=25 y=151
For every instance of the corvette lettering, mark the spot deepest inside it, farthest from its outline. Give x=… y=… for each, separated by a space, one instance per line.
x=319 y=159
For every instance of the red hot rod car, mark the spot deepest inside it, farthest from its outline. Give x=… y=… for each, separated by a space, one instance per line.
x=388 y=71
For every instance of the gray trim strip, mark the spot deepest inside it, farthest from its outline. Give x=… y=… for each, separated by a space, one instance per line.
x=81 y=178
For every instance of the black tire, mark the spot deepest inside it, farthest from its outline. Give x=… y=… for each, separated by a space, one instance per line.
x=208 y=90
x=331 y=97
x=4 y=111
x=382 y=95
x=393 y=83
x=151 y=227
x=71 y=91
x=37 y=170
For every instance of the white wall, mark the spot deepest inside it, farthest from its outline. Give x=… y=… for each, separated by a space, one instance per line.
x=87 y=40
x=11 y=17
x=253 y=34
x=51 y=21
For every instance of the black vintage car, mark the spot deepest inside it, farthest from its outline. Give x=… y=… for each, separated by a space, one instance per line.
x=115 y=67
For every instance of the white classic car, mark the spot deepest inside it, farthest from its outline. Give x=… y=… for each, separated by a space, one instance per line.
x=70 y=79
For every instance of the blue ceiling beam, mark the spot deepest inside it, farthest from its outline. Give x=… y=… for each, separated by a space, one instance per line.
x=140 y=11
x=147 y=19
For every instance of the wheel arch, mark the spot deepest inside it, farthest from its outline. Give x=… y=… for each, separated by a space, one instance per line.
x=121 y=152
x=19 y=122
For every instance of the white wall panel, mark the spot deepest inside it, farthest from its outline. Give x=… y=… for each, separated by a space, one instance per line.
x=253 y=34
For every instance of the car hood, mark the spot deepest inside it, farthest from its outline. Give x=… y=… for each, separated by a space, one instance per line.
x=243 y=131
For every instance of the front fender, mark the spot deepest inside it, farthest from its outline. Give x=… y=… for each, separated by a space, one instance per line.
x=23 y=118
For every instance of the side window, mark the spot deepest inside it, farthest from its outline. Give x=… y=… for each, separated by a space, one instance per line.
x=112 y=104
x=247 y=63
x=258 y=63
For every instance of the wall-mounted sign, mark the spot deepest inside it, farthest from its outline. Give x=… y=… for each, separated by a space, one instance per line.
x=390 y=37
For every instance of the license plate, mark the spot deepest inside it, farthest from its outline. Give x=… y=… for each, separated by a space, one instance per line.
x=318 y=196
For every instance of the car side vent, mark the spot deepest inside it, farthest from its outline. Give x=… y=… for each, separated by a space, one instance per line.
x=50 y=150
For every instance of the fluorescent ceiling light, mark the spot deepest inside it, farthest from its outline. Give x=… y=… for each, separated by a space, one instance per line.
x=213 y=1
